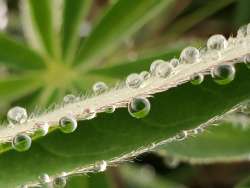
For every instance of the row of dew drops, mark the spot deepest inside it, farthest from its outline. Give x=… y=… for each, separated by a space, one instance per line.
x=138 y=107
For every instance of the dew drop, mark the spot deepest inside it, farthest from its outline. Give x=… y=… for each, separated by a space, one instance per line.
x=134 y=81
x=198 y=130
x=197 y=79
x=190 y=55
x=21 y=142
x=110 y=109
x=100 y=166
x=99 y=88
x=247 y=61
x=42 y=128
x=217 y=42
x=70 y=98
x=59 y=182
x=44 y=178
x=223 y=74
x=139 y=107
x=163 y=70
x=89 y=113
x=174 y=62
x=242 y=31
x=17 y=115
x=145 y=75
x=181 y=136
x=67 y=124
x=154 y=65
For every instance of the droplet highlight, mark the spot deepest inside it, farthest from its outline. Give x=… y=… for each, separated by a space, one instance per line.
x=17 y=115
x=163 y=70
x=21 y=142
x=100 y=166
x=139 y=107
x=217 y=42
x=67 y=124
x=223 y=74
x=134 y=81
x=99 y=88
x=70 y=98
x=110 y=109
x=44 y=178
x=197 y=79
x=190 y=55
x=59 y=182
x=154 y=65
x=42 y=128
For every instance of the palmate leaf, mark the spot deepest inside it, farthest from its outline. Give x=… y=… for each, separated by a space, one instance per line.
x=122 y=20
x=111 y=135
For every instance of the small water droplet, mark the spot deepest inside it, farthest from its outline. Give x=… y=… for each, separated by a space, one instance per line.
x=100 y=166
x=197 y=79
x=89 y=113
x=247 y=60
x=134 y=80
x=223 y=74
x=99 y=88
x=190 y=55
x=174 y=62
x=70 y=98
x=242 y=31
x=181 y=136
x=198 y=130
x=154 y=65
x=110 y=109
x=42 y=128
x=139 y=107
x=17 y=115
x=60 y=182
x=21 y=142
x=44 y=178
x=145 y=75
x=163 y=70
x=217 y=42
x=67 y=124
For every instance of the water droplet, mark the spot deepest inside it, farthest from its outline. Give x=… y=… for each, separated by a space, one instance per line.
x=242 y=31
x=154 y=65
x=223 y=74
x=17 y=115
x=21 y=142
x=110 y=109
x=139 y=107
x=59 y=182
x=163 y=70
x=100 y=166
x=198 y=130
x=190 y=55
x=89 y=113
x=99 y=88
x=44 y=178
x=42 y=128
x=70 y=98
x=217 y=42
x=174 y=62
x=67 y=124
x=145 y=75
x=181 y=136
x=197 y=79
x=134 y=80
x=247 y=60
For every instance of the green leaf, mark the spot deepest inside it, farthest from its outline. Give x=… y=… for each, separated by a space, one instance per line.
x=184 y=107
x=15 y=87
x=73 y=15
x=16 y=55
x=122 y=20
x=41 y=17
x=125 y=68
x=222 y=143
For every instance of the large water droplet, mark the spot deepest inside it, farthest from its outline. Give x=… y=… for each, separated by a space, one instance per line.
x=163 y=70
x=100 y=166
x=190 y=55
x=99 y=88
x=145 y=75
x=174 y=62
x=217 y=42
x=223 y=74
x=197 y=79
x=67 y=124
x=134 y=80
x=70 y=98
x=17 y=115
x=42 y=128
x=59 y=182
x=154 y=65
x=110 y=109
x=139 y=107
x=44 y=178
x=21 y=142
